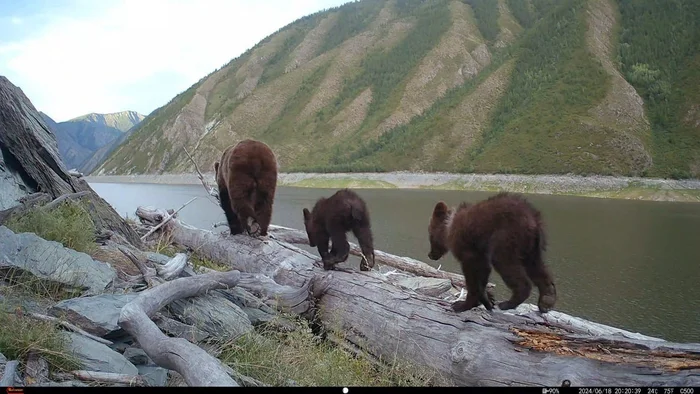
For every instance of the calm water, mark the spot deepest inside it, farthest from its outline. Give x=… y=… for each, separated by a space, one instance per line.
x=629 y=264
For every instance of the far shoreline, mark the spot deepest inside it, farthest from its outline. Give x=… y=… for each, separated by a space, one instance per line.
x=648 y=189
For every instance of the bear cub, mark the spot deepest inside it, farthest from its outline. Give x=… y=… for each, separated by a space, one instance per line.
x=330 y=219
x=504 y=232
x=247 y=179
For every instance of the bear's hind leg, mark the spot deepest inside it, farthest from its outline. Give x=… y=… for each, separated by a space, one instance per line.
x=364 y=239
x=263 y=211
x=242 y=190
x=542 y=278
x=514 y=276
x=233 y=224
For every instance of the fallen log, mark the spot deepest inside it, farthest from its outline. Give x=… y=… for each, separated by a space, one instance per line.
x=110 y=377
x=294 y=236
x=196 y=366
x=473 y=348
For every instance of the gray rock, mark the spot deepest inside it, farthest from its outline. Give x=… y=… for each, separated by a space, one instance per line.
x=97 y=357
x=97 y=315
x=154 y=375
x=157 y=258
x=51 y=261
x=214 y=314
x=136 y=356
x=428 y=286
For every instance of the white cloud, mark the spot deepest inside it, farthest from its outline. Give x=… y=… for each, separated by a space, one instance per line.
x=16 y=21
x=77 y=65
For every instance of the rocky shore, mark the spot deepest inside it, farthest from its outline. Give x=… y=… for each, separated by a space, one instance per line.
x=589 y=186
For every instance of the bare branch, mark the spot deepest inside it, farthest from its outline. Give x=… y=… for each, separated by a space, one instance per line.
x=197 y=367
x=166 y=220
x=70 y=196
x=172 y=268
x=109 y=377
x=210 y=190
x=69 y=326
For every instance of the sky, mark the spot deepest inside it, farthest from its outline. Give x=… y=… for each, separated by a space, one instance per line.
x=74 y=57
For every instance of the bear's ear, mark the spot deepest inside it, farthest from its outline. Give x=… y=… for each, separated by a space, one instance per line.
x=307 y=214
x=440 y=210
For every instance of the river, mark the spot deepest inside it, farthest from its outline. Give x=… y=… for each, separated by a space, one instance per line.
x=630 y=264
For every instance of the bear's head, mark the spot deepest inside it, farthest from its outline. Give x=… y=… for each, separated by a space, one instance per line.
x=437 y=231
x=310 y=228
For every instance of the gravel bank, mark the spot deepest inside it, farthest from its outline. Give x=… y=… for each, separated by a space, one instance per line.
x=594 y=186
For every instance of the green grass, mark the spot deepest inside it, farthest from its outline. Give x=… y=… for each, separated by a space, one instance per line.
x=198 y=262
x=20 y=335
x=660 y=55
x=69 y=223
x=274 y=358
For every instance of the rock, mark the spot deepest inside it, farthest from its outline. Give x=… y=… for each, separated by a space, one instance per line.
x=30 y=162
x=154 y=375
x=180 y=330
x=214 y=314
x=97 y=315
x=427 y=286
x=97 y=357
x=157 y=258
x=121 y=346
x=29 y=253
x=136 y=356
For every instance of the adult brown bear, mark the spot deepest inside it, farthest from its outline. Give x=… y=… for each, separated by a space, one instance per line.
x=330 y=219
x=503 y=231
x=247 y=179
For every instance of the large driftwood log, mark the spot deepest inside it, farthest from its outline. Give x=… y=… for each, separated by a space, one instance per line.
x=192 y=362
x=475 y=347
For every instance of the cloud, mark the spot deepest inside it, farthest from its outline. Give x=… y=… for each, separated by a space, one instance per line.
x=16 y=20
x=108 y=60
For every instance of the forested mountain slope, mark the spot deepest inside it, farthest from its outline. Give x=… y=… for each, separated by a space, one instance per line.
x=515 y=86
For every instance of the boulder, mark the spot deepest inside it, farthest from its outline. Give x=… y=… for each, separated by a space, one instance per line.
x=154 y=375
x=97 y=357
x=97 y=315
x=136 y=356
x=49 y=260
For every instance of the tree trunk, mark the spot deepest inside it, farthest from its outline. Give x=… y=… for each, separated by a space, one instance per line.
x=474 y=348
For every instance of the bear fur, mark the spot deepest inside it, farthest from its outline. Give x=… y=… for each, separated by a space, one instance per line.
x=247 y=179
x=330 y=219
x=504 y=232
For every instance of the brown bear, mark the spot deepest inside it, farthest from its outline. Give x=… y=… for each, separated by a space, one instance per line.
x=247 y=179
x=331 y=218
x=503 y=231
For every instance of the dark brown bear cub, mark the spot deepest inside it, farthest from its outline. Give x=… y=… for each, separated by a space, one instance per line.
x=503 y=231
x=247 y=179
x=330 y=219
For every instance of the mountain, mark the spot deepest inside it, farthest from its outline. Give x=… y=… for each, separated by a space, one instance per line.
x=509 y=86
x=80 y=138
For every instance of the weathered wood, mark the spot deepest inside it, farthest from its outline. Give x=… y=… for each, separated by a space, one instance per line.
x=69 y=326
x=26 y=203
x=193 y=363
x=110 y=377
x=294 y=236
x=166 y=220
x=60 y=199
x=173 y=267
x=476 y=347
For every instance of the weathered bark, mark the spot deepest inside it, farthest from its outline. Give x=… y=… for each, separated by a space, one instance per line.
x=110 y=377
x=193 y=363
x=294 y=236
x=29 y=154
x=475 y=347
x=69 y=326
